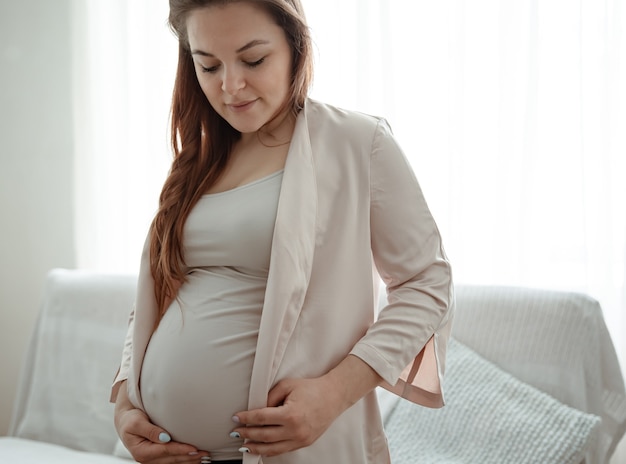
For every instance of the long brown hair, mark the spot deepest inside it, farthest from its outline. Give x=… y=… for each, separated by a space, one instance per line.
x=202 y=140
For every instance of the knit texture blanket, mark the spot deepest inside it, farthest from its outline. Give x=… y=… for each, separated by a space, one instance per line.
x=489 y=417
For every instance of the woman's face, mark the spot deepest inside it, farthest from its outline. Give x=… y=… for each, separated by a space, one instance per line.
x=243 y=62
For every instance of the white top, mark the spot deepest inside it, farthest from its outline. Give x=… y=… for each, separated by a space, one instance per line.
x=197 y=367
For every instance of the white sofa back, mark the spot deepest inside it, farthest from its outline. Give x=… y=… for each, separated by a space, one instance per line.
x=72 y=359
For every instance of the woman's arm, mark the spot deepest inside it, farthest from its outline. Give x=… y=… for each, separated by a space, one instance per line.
x=122 y=372
x=407 y=343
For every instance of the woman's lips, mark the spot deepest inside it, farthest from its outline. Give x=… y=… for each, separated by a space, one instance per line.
x=241 y=106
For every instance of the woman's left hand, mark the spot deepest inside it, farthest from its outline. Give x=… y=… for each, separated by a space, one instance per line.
x=299 y=411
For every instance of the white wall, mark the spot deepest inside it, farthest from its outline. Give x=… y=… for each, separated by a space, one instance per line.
x=36 y=170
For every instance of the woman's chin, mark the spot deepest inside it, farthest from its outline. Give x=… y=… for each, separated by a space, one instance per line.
x=244 y=128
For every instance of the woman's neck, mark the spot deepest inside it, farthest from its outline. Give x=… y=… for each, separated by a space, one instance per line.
x=276 y=133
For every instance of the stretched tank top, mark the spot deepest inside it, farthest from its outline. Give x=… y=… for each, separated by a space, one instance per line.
x=197 y=367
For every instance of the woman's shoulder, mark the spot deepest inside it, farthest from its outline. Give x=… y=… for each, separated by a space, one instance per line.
x=330 y=117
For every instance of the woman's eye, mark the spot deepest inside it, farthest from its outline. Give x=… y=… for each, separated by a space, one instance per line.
x=254 y=64
x=211 y=69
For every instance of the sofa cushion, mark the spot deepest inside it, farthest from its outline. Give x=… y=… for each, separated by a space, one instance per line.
x=556 y=341
x=489 y=417
x=22 y=451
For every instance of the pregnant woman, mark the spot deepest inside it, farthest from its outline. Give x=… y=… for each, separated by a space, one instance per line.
x=255 y=335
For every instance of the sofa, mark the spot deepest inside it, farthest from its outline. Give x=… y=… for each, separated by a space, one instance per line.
x=532 y=376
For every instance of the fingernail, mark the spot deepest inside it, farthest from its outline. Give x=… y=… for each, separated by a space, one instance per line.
x=235 y=419
x=205 y=460
x=235 y=435
x=243 y=449
x=193 y=453
x=164 y=437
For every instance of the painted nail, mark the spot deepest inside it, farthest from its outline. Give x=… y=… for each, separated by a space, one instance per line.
x=243 y=449
x=164 y=437
x=235 y=435
x=235 y=419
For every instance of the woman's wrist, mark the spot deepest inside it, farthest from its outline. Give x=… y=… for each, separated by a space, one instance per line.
x=122 y=402
x=352 y=379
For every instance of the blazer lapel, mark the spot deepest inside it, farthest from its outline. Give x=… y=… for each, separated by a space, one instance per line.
x=290 y=263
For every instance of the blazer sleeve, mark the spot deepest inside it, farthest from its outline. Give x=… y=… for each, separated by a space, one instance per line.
x=407 y=343
x=145 y=285
x=122 y=372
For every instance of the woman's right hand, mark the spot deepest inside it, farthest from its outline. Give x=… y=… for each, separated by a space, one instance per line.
x=146 y=442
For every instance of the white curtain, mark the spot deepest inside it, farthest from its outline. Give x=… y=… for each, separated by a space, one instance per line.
x=125 y=61
x=513 y=113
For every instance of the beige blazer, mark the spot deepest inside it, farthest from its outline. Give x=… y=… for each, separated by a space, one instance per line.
x=350 y=209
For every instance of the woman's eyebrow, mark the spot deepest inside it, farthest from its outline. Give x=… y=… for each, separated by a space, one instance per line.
x=247 y=46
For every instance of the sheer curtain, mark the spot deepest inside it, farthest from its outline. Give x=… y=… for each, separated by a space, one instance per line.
x=513 y=114
x=125 y=60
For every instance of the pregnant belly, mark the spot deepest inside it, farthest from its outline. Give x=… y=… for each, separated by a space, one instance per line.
x=196 y=374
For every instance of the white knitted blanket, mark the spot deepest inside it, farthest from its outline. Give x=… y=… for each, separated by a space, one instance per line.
x=489 y=417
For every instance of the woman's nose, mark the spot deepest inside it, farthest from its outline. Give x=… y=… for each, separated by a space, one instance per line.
x=232 y=81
